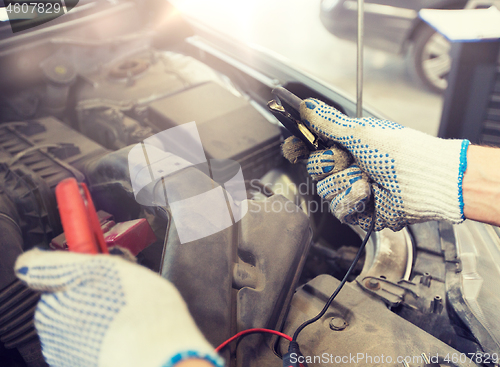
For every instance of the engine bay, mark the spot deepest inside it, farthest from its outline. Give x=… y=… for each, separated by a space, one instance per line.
x=75 y=103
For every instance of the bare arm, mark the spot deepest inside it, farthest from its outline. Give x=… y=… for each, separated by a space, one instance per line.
x=194 y=363
x=481 y=185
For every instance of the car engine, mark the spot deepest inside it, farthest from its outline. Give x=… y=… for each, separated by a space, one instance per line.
x=78 y=95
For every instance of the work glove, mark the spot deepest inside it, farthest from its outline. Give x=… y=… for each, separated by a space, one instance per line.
x=102 y=310
x=377 y=167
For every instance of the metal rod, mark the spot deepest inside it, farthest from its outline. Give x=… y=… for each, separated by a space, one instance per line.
x=359 y=66
x=426 y=359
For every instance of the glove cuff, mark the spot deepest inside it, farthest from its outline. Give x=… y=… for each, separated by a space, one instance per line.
x=210 y=357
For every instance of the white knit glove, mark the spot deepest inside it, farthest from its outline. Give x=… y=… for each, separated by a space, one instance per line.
x=102 y=310
x=402 y=175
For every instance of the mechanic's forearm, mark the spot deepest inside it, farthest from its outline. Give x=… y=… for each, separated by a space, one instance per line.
x=193 y=362
x=481 y=185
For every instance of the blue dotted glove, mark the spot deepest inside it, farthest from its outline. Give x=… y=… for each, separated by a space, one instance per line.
x=102 y=310
x=377 y=166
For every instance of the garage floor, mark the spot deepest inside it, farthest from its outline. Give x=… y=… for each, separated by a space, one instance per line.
x=292 y=29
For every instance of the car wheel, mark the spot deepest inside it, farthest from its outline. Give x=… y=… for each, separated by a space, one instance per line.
x=432 y=60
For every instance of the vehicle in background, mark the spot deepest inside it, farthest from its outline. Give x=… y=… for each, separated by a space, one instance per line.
x=395 y=27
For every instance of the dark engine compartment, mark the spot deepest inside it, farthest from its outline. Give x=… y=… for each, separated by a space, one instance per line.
x=75 y=106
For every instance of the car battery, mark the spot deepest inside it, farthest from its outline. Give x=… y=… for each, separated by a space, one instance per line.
x=230 y=128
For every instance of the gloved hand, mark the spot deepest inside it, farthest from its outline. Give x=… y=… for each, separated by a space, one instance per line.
x=102 y=310
x=377 y=166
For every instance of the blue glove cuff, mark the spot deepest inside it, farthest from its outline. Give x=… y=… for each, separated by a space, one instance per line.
x=461 y=172
x=213 y=358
